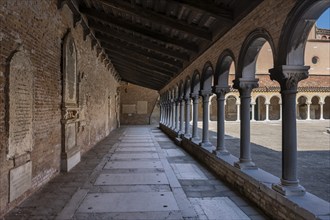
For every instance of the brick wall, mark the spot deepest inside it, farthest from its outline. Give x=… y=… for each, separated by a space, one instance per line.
x=37 y=27
x=133 y=99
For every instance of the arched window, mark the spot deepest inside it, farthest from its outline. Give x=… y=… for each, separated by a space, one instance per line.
x=274 y=108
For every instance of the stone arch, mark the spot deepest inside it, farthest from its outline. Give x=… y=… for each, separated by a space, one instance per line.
x=207 y=77
x=221 y=74
x=246 y=67
x=296 y=30
x=195 y=82
x=315 y=107
x=231 y=108
x=302 y=107
x=187 y=87
x=326 y=108
x=274 y=108
x=260 y=108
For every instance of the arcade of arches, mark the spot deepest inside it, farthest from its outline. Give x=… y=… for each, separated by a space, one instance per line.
x=66 y=84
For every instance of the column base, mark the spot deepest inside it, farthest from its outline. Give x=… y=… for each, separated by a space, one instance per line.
x=220 y=153
x=245 y=165
x=207 y=145
x=293 y=190
x=187 y=136
x=195 y=140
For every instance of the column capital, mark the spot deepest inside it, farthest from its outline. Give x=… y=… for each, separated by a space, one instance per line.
x=246 y=84
x=205 y=93
x=289 y=76
x=220 y=90
x=194 y=95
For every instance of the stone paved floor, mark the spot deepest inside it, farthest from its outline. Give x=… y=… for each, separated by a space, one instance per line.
x=136 y=173
x=313 y=150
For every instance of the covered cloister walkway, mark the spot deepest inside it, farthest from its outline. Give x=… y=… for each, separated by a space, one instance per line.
x=136 y=172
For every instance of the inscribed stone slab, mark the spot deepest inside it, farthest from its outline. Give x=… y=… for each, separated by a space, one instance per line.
x=129 y=109
x=20 y=180
x=20 y=105
x=142 y=107
x=219 y=208
x=131 y=179
x=188 y=171
x=133 y=165
x=128 y=202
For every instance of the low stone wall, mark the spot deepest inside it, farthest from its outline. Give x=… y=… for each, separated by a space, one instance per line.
x=256 y=185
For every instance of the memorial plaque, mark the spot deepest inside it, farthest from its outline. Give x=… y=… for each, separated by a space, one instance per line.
x=129 y=109
x=70 y=135
x=20 y=180
x=20 y=105
x=142 y=107
x=70 y=72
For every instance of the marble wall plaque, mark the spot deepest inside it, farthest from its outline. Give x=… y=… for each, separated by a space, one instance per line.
x=142 y=107
x=129 y=109
x=70 y=135
x=20 y=180
x=20 y=105
x=70 y=71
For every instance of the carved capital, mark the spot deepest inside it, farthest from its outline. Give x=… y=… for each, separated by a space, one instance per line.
x=194 y=96
x=204 y=93
x=220 y=91
x=245 y=86
x=289 y=76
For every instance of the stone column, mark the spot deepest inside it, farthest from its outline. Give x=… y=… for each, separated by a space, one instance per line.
x=245 y=87
x=173 y=114
x=308 y=111
x=176 y=129
x=181 y=131
x=321 y=111
x=167 y=113
x=267 y=111
x=220 y=92
x=252 y=111
x=188 y=106
x=205 y=135
x=288 y=78
x=280 y=112
x=238 y=112
x=195 y=137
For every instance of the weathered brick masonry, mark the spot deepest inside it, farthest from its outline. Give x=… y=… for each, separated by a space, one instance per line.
x=36 y=28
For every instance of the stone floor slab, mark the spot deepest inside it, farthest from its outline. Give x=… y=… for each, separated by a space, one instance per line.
x=133 y=165
x=187 y=171
x=138 y=149
x=218 y=208
x=174 y=153
x=136 y=141
x=131 y=179
x=128 y=202
x=135 y=156
x=136 y=145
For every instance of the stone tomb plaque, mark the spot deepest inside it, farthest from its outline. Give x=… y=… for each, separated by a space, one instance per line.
x=142 y=107
x=70 y=135
x=129 y=109
x=20 y=105
x=20 y=180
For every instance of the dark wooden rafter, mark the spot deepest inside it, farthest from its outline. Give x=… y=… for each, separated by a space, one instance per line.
x=142 y=60
x=161 y=19
x=120 y=62
x=141 y=76
x=226 y=16
x=157 y=77
x=138 y=42
x=124 y=24
x=111 y=43
x=117 y=57
x=140 y=81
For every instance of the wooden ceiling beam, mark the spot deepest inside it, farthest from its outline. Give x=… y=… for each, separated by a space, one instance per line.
x=220 y=13
x=155 y=17
x=159 y=78
x=142 y=82
x=138 y=42
x=136 y=28
x=114 y=44
x=139 y=68
x=140 y=64
x=142 y=60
